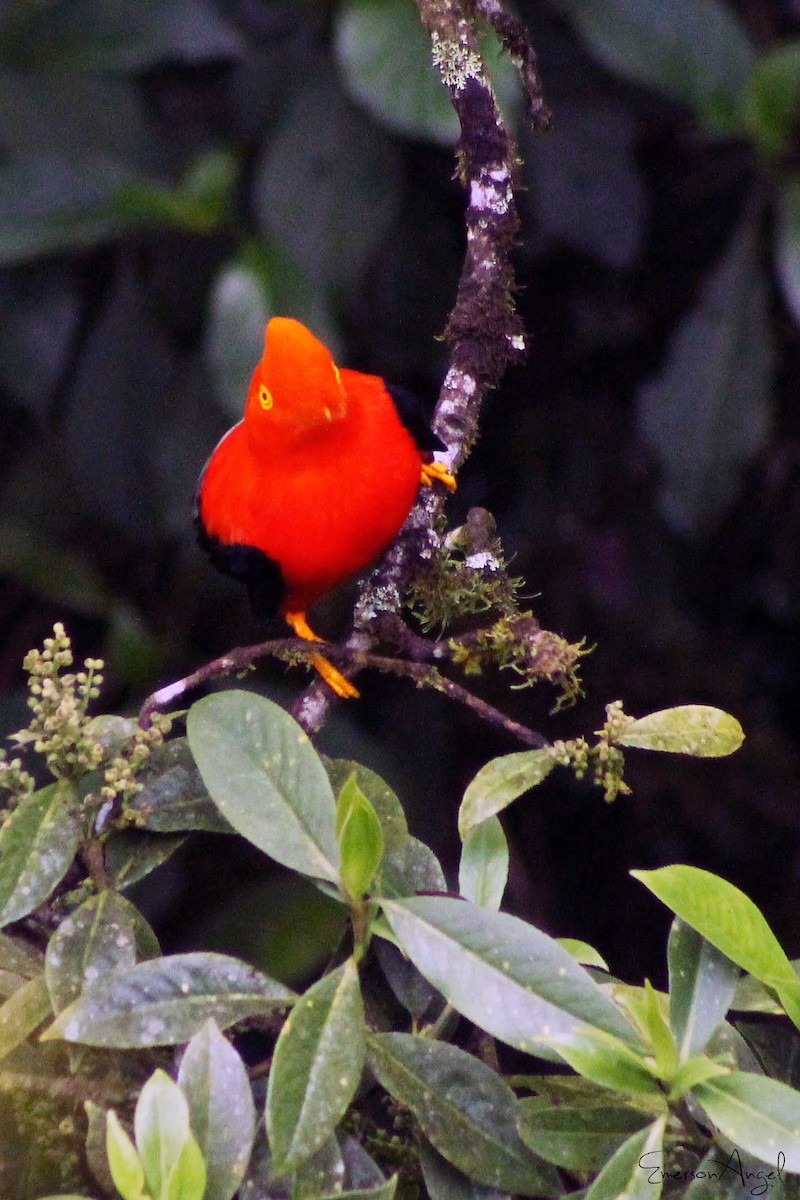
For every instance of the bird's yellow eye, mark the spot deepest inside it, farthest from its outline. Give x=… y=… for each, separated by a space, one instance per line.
x=265 y=398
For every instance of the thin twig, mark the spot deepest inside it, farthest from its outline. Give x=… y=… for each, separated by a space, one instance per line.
x=422 y=673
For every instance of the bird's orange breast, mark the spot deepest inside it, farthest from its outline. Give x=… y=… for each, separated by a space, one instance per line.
x=322 y=507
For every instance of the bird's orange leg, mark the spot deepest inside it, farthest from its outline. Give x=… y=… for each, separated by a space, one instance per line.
x=436 y=471
x=334 y=678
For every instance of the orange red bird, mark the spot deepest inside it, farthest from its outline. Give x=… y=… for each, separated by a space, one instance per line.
x=314 y=481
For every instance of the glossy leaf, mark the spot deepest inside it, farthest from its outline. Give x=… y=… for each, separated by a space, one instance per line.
x=18 y=958
x=187 y=1179
x=266 y=779
x=161 y=1124
x=580 y=1139
x=174 y=798
x=694 y=1071
x=417 y=869
x=361 y=1172
x=730 y=920
x=360 y=839
x=409 y=986
x=694 y=51
x=505 y=975
x=444 y=1182
x=316 y=1067
x=702 y=982
x=79 y=36
x=22 y=1013
x=583 y=953
x=407 y=865
x=694 y=729
x=610 y=1063
x=349 y=199
x=384 y=57
x=635 y=1169
x=771 y=99
x=131 y=854
x=239 y=308
x=166 y=1001
x=463 y=1107
x=97 y=938
x=123 y=1161
x=759 y=1114
x=221 y=1110
x=321 y=1175
x=483 y=869
x=37 y=846
x=708 y=414
x=500 y=782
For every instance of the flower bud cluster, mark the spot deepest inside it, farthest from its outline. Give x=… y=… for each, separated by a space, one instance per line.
x=72 y=743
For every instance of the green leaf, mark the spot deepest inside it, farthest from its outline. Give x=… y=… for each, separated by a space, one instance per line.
x=465 y=1109
x=444 y=1182
x=657 y=1031
x=408 y=985
x=399 y=858
x=173 y=796
x=22 y=1013
x=608 y=1062
x=483 y=869
x=384 y=57
x=239 y=308
x=350 y=199
x=316 y=1067
x=96 y=1146
x=408 y=865
x=96 y=939
x=759 y=1114
x=126 y=1169
x=166 y=1001
x=131 y=854
x=702 y=982
x=580 y=1139
x=709 y=412
x=501 y=781
x=19 y=959
x=695 y=729
x=771 y=99
x=611 y=1063
x=360 y=839
x=505 y=975
x=728 y=919
x=266 y=779
x=695 y=51
x=37 y=846
x=52 y=202
x=321 y=1175
x=161 y=1124
x=582 y=952
x=187 y=1179
x=635 y=1170
x=696 y=1070
x=221 y=1110
x=80 y=36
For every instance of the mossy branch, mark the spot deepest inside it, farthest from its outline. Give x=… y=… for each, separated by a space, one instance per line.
x=484 y=331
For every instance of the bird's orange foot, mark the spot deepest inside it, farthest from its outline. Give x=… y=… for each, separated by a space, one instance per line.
x=437 y=472
x=334 y=678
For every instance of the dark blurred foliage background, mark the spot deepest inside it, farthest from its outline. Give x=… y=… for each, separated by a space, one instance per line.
x=174 y=171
